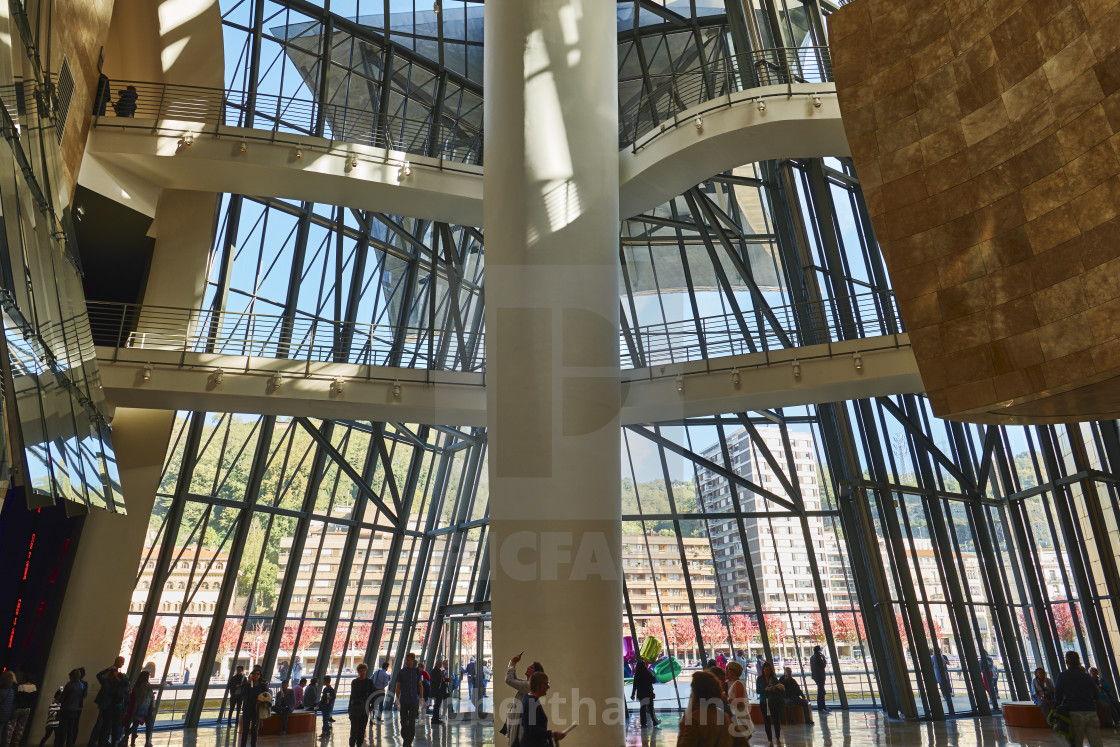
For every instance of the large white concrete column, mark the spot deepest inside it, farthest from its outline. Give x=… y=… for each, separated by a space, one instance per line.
x=94 y=611
x=551 y=225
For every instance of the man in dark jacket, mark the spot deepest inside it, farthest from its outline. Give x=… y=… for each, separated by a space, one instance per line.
x=438 y=678
x=795 y=698
x=284 y=705
x=251 y=691
x=73 y=698
x=326 y=704
x=111 y=700
x=534 y=721
x=361 y=691
x=1076 y=690
x=233 y=685
x=817 y=670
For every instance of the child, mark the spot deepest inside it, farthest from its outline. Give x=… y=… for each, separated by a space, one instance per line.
x=54 y=713
x=326 y=703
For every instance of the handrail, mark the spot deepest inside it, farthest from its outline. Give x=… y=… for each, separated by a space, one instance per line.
x=831 y=320
x=249 y=334
x=459 y=141
x=122 y=325
x=683 y=89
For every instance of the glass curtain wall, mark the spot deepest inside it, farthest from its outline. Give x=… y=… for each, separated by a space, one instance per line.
x=309 y=545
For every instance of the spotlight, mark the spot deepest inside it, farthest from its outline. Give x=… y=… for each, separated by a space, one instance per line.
x=436 y=7
x=217 y=377
x=81 y=211
x=336 y=386
x=761 y=105
x=817 y=102
x=299 y=153
x=680 y=383
x=146 y=374
x=797 y=369
x=857 y=359
x=396 y=390
x=243 y=146
x=404 y=170
x=274 y=382
x=699 y=122
x=735 y=377
x=354 y=161
x=185 y=141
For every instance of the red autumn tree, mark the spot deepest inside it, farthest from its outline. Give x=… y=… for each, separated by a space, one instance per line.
x=744 y=630
x=714 y=631
x=191 y=639
x=1065 y=621
x=231 y=632
x=816 y=629
x=158 y=639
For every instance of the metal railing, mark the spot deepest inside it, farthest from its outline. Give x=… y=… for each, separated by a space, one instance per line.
x=871 y=315
x=680 y=90
x=122 y=325
x=459 y=143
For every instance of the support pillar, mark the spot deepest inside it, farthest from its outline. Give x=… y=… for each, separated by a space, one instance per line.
x=95 y=607
x=552 y=320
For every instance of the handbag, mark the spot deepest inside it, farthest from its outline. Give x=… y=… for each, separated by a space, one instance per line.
x=264 y=705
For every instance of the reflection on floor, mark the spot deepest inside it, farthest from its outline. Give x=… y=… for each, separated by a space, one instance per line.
x=837 y=728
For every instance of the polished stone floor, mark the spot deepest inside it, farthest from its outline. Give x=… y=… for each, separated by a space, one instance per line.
x=839 y=729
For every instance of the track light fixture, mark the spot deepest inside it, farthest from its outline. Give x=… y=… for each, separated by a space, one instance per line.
x=699 y=122
x=797 y=369
x=680 y=383
x=761 y=105
x=217 y=377
x=817 y=101
x=274 y=382
x=337 y=386
x=436 y=7
x=146 y=374
x=404 y=170
x=857 y=359
x=396 y=390
x=299 y=153
x=735 y=377
x=243 y=146
x=186 y=141
x=353 y=161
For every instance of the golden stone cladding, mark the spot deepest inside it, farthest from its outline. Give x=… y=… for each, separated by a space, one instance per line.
x=986 y=135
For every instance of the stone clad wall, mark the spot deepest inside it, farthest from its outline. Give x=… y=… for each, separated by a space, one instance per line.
x=985 y=135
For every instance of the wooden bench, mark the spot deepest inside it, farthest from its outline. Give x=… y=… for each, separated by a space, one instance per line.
x=791 y=715
x=1023 y=713
x=298 y=721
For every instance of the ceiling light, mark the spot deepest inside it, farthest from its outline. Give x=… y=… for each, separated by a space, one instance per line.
x=299 y=153
x=396 y=389
x=761 y=105
x=735 y=377
x=699 y=122
x=404 y=170
x=858 y=360
x=274 y=382
x=243 y=146
x=146 y=374
x=353 y=161
x=217 y=377
x=680 y=383
x=337 y=386
x=797 y=369
x=436 y=7
x=817 y=102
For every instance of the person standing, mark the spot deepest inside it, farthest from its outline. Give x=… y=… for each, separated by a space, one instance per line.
x=410 y=691
x=990 y=675
x=738 y=705
x=817 y=668
x=361 y=693
x=642 y=691
x=297 y=673
x=326 y=704
x=7 y=705
x=1076 y=690
x=298 y=689
x=534 y=720
x=233 y=687
x=141 y=708
x=705 y=723
x=758 y=665
x=380 y=684
x=771 y=697
x=73 y=697
x=254 y=708
x=126 y=107
x=54 y=712
x=438 y=679
x=110 y=702
x=472 y=691
x=513 y=716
